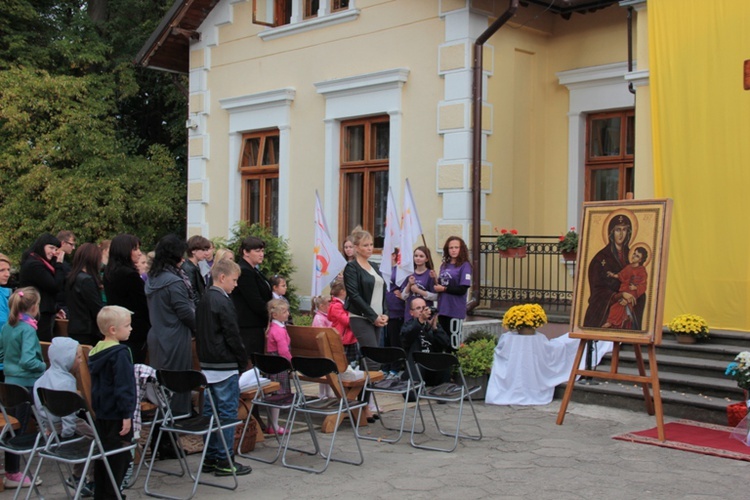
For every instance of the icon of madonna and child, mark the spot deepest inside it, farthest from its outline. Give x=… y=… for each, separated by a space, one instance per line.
x=618 y=277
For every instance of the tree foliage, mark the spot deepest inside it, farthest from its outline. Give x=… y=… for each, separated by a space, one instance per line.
x=88 y=142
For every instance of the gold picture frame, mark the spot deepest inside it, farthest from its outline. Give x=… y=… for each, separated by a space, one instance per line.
x=621 y=272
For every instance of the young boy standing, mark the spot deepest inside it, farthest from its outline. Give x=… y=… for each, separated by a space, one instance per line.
x=112 y=394
x=222 y=357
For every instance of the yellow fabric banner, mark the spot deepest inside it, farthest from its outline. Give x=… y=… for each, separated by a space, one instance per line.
x=701 y=142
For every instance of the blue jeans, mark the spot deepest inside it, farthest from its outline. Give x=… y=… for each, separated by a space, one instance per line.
x=226 y=396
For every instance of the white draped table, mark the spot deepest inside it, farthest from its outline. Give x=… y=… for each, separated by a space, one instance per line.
x=527 y=368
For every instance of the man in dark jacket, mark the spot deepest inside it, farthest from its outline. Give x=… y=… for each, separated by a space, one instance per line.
x=222 y=357
x=423 y=333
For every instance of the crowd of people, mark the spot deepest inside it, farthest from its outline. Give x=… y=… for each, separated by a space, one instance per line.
x=138 y=308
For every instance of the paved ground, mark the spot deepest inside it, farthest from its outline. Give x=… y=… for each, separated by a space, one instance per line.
x=524 y=454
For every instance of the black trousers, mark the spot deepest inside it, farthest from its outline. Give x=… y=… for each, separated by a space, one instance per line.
x=109 y=432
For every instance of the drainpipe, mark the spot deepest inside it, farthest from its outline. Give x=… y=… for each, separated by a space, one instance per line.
x=631 y=87
x=476 y=139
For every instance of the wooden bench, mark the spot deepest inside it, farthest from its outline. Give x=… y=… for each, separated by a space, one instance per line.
x=326 y=343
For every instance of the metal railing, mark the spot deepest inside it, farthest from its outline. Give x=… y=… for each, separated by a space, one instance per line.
x=542 y=276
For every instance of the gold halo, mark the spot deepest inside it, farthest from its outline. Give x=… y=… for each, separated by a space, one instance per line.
x=612 y=215
x=633 y=246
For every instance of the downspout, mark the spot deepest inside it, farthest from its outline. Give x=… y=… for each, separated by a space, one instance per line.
x=476 y=146
x=631 y=87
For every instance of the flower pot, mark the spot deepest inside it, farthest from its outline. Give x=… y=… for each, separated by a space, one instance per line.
x=570 y=256
x=474 y=381
x=686 y=339
x=526 y=330
x=513 y=253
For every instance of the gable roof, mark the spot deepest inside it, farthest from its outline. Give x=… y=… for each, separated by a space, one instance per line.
x=168 y=47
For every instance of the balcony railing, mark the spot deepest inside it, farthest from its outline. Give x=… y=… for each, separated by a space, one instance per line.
x=542 y=276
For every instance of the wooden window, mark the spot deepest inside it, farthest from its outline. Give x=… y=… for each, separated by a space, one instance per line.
x=259 y=166
x=364 y=176
x=610 y=154
x=311 y=8
x=337 y=5
x=272 y=12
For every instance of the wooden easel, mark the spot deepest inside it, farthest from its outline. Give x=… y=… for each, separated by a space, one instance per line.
x=652 y=407
x=661 y=210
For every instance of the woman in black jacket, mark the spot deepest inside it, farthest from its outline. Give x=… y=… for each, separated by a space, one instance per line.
x=124 y=287
x=84 y=295
x=40 y=269
x=365 y=294
x=251 y=296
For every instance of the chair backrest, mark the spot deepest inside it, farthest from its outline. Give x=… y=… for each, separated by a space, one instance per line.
x=314 y=367
x=270 y=364
x=13 y=395
x=435 y=361
x=61 y=403
x=383 y=354
x=181 y=380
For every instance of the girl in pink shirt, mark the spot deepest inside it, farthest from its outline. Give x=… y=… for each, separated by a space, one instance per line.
x=277 y=343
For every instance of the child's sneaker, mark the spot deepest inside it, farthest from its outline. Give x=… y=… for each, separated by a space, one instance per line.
x=279 y=431
x=17 y=479
x=224 y=468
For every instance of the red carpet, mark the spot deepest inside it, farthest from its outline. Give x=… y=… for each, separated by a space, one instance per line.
x=696 y=437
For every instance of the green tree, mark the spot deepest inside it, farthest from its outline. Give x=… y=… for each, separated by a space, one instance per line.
x=88 y=142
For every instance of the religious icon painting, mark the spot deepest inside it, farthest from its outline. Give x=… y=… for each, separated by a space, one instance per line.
x=621 y=272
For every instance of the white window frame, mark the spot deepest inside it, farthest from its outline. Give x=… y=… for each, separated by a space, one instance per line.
x=352 y=97
x=252 y=113
x=297 y=23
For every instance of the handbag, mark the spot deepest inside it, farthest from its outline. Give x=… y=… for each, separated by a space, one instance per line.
x=248 y=443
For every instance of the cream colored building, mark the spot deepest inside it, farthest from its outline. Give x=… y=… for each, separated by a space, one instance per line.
x=350 y=97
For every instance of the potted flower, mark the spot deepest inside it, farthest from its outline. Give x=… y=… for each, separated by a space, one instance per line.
x=525 y=318
x=688 y=328
x=476 y=355
x=739 y=370
x=568 y=245
x=510 y=245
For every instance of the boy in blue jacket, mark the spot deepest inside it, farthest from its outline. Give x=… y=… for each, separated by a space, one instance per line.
x=112 y=394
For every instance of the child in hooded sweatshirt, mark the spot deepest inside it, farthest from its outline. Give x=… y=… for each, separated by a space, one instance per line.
x=112 y=394
x=65 y=357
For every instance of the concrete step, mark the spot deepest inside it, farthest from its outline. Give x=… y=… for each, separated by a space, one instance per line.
x=676 y=404
x=676 y=364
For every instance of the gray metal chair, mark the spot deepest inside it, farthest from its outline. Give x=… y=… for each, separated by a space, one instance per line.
x=180 y=382
x=405 y=388
x=318 y=368
x=23 y=445
x=76 y=451
x=270 y=365
x=457 y=392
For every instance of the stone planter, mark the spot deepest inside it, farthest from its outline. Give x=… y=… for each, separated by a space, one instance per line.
x=473 y=381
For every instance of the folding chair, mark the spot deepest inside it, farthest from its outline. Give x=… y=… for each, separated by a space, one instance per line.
x=318 y=368
x=75 y=451
x=152 y=422
x=173 y=383
x=23 y=445
x=449 y=393
x=391 y=356
x=269 y=365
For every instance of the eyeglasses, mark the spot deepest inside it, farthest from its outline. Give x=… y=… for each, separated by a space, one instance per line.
x=71 y=243
x=418 y=308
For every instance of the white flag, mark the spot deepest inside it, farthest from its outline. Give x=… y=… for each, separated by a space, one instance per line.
x=327 y=260
x=411 y=230
x=392 y=236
